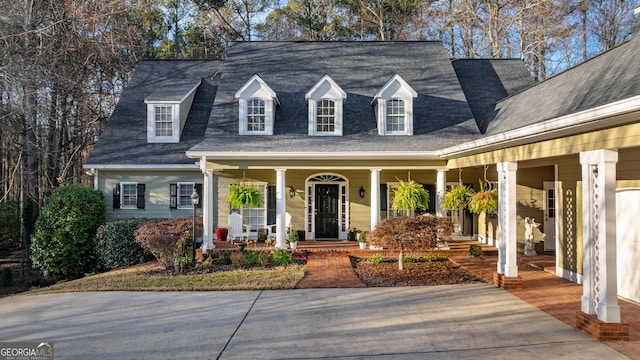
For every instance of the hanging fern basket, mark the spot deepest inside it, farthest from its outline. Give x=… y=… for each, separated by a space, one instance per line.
x=457 y=197
x=244 y=195
x=484 y=202
x=410 y=196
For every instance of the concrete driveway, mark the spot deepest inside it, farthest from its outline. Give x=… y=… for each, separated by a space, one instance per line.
x=441 y=322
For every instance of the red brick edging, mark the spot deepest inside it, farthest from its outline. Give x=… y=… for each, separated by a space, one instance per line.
x=600 y=330
x=506 y=282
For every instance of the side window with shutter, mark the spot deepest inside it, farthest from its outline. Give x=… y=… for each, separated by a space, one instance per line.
x=199 y=191
x=140 y=199
x=116 y=196
x=173 y=196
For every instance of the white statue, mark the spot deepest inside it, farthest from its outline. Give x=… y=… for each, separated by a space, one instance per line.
x=529 y=225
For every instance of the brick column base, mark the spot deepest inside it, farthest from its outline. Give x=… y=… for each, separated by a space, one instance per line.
x=602 y=331
x=506 y=282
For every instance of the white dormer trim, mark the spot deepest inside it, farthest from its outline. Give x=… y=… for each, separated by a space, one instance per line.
x=256 y=88
x=325 y=89
x=178 y=109
x=395 y=89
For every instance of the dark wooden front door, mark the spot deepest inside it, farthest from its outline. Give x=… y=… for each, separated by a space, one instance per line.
x=326 y=211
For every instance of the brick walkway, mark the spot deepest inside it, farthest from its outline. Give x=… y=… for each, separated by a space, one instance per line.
x=329 y=271
x=557 y=297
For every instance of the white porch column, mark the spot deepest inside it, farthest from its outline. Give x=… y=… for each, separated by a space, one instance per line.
x=281 y=209
x=507 y=241
x=207 y=210
x=375 y=198
x=599 y=274
x=441 y=188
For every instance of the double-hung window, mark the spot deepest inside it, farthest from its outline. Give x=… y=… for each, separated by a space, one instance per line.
x=395 y=116
x=180 y=195
x=256 y=217
x=128 y=195
x=256 y=119
x=164 y=120
x=325 y=116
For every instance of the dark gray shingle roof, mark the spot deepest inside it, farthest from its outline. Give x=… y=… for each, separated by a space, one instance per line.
x=606 y=78
x=486 y=81
x=124 y=139
x=441 y=114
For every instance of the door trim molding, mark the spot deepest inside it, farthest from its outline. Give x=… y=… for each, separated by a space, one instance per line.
x=326 y=178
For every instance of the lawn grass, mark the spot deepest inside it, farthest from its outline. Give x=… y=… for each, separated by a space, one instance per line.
x=139 y=279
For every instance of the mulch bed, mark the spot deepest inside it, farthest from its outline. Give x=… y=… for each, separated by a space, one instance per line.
x=419 y=273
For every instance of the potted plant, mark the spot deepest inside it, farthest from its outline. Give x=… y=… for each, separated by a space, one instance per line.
x=221 y=234
x=351 y=234
x=293 y=239
x=410 y=196
x=483 y=201
x=244 y=195
x=362 y=240
x=457 y=197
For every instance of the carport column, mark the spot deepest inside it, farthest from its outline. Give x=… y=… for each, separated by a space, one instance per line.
x=507 y=241
x=375 y=197
x=599 y=235
x=207 y=211
x=441 y=188
x=281 y=209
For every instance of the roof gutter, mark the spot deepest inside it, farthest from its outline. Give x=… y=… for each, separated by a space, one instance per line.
x=374 y=155
x=591 y=119
x=147 y=167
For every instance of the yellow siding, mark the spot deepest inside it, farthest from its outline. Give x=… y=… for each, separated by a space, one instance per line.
x=619 y=137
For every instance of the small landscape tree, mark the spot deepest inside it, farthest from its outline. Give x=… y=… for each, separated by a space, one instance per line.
x=419 y=233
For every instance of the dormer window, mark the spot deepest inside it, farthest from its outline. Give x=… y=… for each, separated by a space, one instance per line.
x=396 y=116
x=256 y=119
x=325 y=101
x=164 y=120
x=394 y=107
x=256 y=107
x=167 y=111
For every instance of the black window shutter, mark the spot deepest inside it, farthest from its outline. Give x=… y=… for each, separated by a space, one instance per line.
x=140 y=199
x=383 y=197
x=199 y=191
x=173 y=196
x=116 y=196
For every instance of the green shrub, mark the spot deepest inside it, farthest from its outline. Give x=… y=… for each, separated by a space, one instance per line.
x=238 y=259
x=258 y=257
x=224 y=258
x=475 y=250
x=7 y=277
x=432 y=257
x=282 y=257
x=116 y=244
x=62 y=244
x=160 y=237
x=375 y=259
x=409 y=259
x=10 y=225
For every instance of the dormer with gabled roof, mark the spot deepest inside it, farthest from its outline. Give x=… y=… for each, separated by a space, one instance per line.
x=394 y=107
x=167 y=111
x=256 y=107
x=325 y=101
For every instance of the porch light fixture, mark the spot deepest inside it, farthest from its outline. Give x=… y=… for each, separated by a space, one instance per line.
x=195 y=199
x=292 y=192
x=362 y=192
